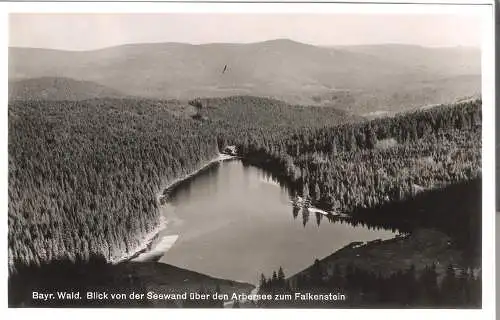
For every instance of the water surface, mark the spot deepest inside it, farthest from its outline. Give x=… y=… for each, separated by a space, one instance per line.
x=235 y=221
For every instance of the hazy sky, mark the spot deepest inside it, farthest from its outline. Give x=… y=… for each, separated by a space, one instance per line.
x=93 y=31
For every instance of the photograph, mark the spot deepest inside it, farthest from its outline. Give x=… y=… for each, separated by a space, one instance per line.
x=217 y=159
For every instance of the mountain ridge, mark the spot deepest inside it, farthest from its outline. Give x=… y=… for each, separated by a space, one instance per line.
x=59 y=88
x=360 y=79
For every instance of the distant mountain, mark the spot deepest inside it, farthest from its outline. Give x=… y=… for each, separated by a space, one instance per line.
x=444 y=60
x=53 y=88
x=358 y=78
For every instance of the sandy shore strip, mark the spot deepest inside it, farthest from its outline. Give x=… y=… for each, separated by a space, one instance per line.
x=311 y=209
x=159 y=249
x=146 y=240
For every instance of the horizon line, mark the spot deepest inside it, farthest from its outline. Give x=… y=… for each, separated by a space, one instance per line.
x=250 y=43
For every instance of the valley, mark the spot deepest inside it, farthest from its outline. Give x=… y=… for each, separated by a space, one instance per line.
x=307 y=150
x=275 y=167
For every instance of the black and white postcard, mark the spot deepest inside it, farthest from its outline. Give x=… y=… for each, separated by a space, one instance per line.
x=328 y=156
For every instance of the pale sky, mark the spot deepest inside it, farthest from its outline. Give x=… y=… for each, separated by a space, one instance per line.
x=94 y=31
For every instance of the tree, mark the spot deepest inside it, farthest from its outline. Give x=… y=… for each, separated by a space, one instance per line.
x=429 y=286
x=281 y=278
x=449 y=288
x=305 y=190
x=317 y=192
x=274 y=279
x=263 y=281
x=317 y=274
x=334 y=147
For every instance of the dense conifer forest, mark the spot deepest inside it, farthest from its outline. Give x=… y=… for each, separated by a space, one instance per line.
x=85 y=176
x=364 y=164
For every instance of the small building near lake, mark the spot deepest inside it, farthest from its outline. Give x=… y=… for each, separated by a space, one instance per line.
x=230 y=150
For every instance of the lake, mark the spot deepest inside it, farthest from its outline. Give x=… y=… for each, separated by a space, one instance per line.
x=235 y=221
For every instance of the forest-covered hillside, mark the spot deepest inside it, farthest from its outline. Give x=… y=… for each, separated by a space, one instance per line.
x=84 y=176
x=363 y=164
x=58 y=88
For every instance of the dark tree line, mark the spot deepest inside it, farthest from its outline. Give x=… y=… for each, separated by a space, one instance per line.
x=361 y=165
x=434 y=209
x=93 y=274
x=405 y=288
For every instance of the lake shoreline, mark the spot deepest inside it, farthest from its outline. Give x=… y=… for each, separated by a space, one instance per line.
x=150 y=239
x=221 y=157
x=420 y=248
